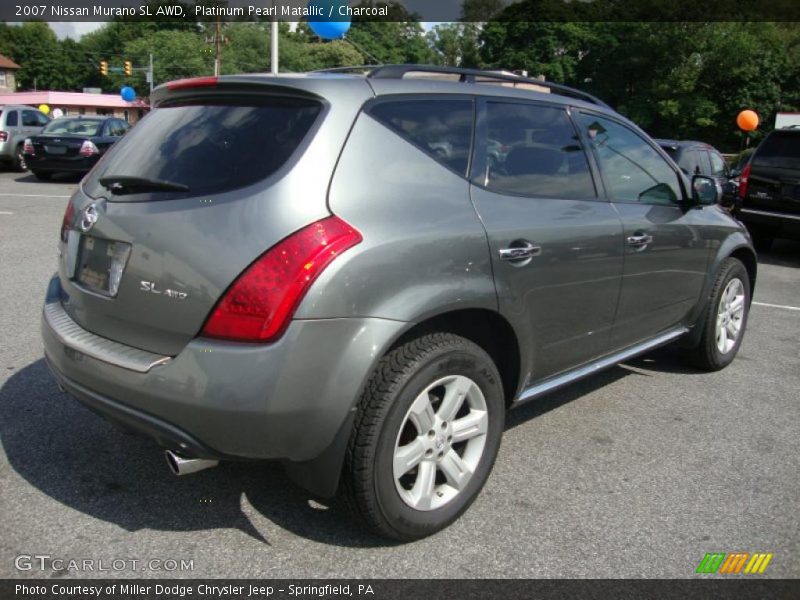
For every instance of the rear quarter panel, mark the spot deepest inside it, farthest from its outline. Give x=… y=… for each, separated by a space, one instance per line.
x=424 y=251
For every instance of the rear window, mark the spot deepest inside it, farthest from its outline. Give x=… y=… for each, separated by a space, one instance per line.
x=209 y=148
x=88 y=127
x=780 y=149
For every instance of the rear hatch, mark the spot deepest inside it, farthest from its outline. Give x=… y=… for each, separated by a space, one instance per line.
x=192 y=195
x=774 y=179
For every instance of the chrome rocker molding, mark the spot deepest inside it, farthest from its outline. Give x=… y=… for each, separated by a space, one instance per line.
x=77 y=338
x=767 y=213
x=553 y=383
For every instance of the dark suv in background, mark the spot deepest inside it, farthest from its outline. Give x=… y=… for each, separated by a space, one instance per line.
x=699 y=158
x=769 y=188
x=358 y=274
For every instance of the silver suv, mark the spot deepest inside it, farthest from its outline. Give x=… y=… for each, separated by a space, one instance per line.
x=18 y=122
x=358 y=274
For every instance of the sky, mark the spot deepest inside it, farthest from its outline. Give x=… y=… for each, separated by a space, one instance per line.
x=75 y=30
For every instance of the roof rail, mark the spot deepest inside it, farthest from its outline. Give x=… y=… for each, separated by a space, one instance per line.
x=472 y=76
x=351 y=69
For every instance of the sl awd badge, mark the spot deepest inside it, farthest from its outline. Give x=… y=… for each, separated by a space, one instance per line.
x=152 y=288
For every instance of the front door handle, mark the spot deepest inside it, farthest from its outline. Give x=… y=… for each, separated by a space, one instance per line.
x=640 y=240
x=522 y=252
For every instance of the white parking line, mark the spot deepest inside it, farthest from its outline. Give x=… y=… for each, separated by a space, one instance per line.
x=33 y=195
x=5 y=212
x=777 y=306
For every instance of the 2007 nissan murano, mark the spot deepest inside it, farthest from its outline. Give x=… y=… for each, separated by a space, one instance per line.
x=358 y=273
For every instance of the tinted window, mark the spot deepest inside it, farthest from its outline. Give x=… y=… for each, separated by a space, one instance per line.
x=43 y=120
x=11 y=119
x=116 y=128
x=718 y=166
x=211 y=149
x=30 y=118
x=779 y=149
x=690 y=162
x=535 y=151
x=632 y=170
x=440 y=128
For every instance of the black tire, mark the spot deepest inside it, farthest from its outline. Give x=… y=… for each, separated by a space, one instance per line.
x=18 y=162
x=42 y=175
x=368 y=481
x=707 y=355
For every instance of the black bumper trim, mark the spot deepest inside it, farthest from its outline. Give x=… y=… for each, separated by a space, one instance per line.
x=166 y=434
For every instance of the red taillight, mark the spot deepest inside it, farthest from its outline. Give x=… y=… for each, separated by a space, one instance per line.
x=743 y=178
x=3 y=136
x=260 y=303
x=88 y=149
x=193 y=82
x=27 y=147
x=66 y=222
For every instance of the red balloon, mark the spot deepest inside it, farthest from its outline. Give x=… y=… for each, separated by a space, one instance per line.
x=747 y=120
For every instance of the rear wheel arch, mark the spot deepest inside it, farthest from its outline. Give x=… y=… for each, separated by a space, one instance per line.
x=748 y=258
x=485 y=328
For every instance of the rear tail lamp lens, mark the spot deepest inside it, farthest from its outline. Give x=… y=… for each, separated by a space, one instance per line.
x=66 y=222
x=27 y=147
x=260 y=303
x=743 y=179
x=88 y=149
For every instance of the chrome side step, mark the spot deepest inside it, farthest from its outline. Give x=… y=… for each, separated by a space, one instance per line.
x=553 y=383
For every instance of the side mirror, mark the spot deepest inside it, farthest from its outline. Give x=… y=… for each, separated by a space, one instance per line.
x=705 y=190
x=734 y=173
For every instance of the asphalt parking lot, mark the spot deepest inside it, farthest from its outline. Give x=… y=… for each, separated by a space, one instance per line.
x=637 y=472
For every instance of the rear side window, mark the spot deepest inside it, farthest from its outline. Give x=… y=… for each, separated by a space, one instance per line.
x=211 y=148
x=442 y=128
x=780 y=149
x=12 y=119
x=534 y=150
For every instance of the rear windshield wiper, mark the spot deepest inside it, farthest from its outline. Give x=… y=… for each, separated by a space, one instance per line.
x=125 y=184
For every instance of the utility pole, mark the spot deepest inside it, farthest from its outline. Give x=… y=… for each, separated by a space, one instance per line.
x=274 y=51
x=217 y=46
x=150 y=73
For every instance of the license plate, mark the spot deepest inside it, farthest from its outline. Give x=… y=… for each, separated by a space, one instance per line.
x=101 y=264
x=55 y=149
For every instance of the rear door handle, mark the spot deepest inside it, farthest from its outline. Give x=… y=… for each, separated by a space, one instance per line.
x=638 y=240
x=521 y=252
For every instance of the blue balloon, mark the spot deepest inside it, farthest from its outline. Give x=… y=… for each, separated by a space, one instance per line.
x=331 y=25
x=128 y=93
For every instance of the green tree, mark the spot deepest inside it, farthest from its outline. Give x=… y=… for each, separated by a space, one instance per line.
x=45 y=65
x=456 y=44
x=176 y=55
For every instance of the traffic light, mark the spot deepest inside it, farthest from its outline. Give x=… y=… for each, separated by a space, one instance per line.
x=104 y=68
x=127 y=68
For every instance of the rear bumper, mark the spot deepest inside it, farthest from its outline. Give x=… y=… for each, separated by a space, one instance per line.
x=285 y=400
x=777 y=224
x=78 y=164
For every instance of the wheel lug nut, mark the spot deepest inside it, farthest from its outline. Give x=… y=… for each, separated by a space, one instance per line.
x=428 y=453
x=444 y=425
x=431 y=433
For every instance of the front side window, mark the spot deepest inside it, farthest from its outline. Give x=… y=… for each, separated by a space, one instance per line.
x=442 y=128
x=632 y=169
x=534 y=150
x=718 y=166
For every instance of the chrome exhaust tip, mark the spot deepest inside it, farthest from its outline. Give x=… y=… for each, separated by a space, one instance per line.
x=186 y=466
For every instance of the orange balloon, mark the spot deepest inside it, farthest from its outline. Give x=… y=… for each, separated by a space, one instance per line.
x=747 y=120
